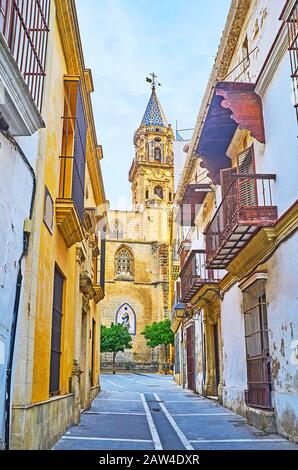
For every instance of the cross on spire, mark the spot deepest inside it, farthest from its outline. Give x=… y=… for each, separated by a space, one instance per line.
x=153 y=80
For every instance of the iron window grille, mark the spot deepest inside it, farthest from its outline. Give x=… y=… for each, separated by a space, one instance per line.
x=25 y=27
x=257 y=346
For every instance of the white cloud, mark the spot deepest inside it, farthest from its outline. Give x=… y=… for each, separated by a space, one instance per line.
x=123 y=41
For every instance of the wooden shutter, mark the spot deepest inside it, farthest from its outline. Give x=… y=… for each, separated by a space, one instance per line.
x=226 y=179
x=56 y=333
x=229 y=196
x=247 y=188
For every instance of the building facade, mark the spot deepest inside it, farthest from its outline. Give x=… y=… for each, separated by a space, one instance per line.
x=137 y=246
x=56 y=356
x=235 y=310
x=20 y=119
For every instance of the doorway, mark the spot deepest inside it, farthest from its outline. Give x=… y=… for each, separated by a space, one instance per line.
x=83 y=360
x=190 y=356
x=216 y=354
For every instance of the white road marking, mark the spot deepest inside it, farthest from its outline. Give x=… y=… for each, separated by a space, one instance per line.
x=116 y=399
x=113 y=413
x=175 y=426
x=153 y=430
x=127 y=392
x=186 y=401
x=236 y=440
x=114 y=383
x=78 y=438
x=206 y=414
x=126 y=378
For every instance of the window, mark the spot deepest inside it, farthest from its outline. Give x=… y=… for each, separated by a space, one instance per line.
x=56 y=333
x=124 y=262
x=157 y=154
x=257 y=345
x=26 y=35
x=116 y=229
x=158 y=191
x=170 y=197
x=147 y=194
x=247 y=187
x=73 y=155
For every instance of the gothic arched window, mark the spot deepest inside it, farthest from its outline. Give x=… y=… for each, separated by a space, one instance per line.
x=124 y=264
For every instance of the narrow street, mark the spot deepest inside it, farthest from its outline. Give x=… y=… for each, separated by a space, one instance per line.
x=149 y=411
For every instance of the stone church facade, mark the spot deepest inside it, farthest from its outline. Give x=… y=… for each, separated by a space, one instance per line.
x=138 y=243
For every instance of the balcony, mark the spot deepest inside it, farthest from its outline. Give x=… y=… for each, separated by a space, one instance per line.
x=70 y=203
x=24 y=28
x=194 y=275
x=246 y=207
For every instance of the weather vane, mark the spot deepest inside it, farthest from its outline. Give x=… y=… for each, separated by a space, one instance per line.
x=153 y=81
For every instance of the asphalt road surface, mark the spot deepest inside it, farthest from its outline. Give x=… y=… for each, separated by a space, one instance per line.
x=149 y=411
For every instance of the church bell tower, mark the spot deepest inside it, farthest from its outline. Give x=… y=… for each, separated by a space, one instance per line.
x=152 y=171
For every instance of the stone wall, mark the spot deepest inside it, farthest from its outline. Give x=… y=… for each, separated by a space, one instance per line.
x=40 y=425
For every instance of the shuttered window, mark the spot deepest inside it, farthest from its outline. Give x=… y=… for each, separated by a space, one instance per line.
x=56 y=333
x=226 y=179
x=247 y=187
x=229 y=196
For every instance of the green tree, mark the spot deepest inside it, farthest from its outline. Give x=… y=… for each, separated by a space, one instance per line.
x=114 y=339
x=160 y=334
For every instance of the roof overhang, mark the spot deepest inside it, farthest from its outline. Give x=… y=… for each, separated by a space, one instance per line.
x=233 y=105
x=191 y=203
x=195 y=193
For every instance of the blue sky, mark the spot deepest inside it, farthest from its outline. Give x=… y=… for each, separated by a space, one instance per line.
x=125 y=40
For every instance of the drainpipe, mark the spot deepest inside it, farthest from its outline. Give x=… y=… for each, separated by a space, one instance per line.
x=26 y=235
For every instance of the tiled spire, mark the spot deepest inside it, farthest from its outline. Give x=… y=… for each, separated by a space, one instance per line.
x=154 y=115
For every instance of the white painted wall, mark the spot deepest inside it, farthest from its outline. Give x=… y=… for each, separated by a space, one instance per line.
x=282 y=296
x=233 y=351
x=15 y=197
x=199 y=354
x=279 y=154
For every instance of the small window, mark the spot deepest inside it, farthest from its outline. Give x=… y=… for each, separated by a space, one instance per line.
x=147 y=194
x=157 y=154
x=158 y=191
x=124 y=263
x=170 y=197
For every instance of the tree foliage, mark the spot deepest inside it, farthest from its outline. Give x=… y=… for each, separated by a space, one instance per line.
x=159 y=334
x=115 y=338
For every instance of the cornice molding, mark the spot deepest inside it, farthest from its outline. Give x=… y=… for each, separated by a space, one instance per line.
x=277 y=53
x=72 y=47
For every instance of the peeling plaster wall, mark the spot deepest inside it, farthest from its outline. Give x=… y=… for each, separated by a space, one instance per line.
x=281 y=289
x=233 y=351
x=199 y=355
x=15 y=196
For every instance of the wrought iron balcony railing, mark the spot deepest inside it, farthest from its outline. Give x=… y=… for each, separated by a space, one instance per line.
x=25 y=27
x=246 y=207
x=194 y=275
